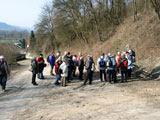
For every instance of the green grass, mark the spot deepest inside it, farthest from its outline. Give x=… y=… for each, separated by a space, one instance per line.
x=8 y=41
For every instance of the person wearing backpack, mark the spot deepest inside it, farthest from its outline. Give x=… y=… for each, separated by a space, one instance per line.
x=4 y=72
x=102 y=67
x=111 y=67
x=57 y=71
x=34 y=67
x=89 y=69
x=51 y=60
x=123 y=67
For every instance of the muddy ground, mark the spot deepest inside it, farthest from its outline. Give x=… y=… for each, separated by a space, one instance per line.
x=138 y=99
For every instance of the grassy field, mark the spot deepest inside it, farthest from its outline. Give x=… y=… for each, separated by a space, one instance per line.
x=8 y=41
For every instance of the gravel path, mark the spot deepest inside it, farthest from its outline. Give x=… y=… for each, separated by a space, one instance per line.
x=135 y=100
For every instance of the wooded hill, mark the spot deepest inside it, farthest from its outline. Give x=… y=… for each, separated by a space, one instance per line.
x=64 y=23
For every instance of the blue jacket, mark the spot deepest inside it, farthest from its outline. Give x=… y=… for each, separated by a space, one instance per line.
x=51 y=60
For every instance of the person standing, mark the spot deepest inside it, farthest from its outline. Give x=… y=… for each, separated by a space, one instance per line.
x=74 y=59
x=4 y=72
x=34 y=66
x=118 y=58
x=124 y=67
x=64 y=74
x=102 y=68
x=41 y=65
x=81 y=67
x=58 y=76
x=52 y=62
x=89 y=65
x=130 y=64
x=111 y=67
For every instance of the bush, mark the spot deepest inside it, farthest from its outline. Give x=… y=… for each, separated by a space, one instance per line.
x=8 y=51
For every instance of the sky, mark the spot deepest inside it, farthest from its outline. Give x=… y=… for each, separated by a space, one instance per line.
x=22 y=13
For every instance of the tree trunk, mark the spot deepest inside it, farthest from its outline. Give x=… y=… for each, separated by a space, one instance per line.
x=134 y=10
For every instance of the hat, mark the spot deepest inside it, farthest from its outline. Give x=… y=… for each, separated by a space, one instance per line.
x=1 y=57
x=102 y=57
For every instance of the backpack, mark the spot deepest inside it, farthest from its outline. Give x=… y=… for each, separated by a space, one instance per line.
x=102 y=63
x=133 y=53
x=109 y=63
x=48 y=59
x=93 y=67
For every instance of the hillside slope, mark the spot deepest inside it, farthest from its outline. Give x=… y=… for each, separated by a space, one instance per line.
x=143 y=36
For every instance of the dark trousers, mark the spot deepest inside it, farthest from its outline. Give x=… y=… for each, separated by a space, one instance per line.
x=112 y=76
x=88 y=76
x=51 y=71
x=70 y=74
x=33 y=78
x=124 y=76
x=3 y=81
x=129 y=73
x=80 y=74
x=103 y=72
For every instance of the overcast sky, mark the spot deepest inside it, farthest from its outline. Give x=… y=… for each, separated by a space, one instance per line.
x=23 y=13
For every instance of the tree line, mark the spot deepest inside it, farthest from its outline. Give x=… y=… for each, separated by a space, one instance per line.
x=63 y=21
x=13 y=35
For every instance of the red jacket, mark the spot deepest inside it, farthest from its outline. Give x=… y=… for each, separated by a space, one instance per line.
x=124 y=65
x=40 y=59
x=56 y=67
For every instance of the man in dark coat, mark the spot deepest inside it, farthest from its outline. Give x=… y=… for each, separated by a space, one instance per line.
x=81 y=67
x=34 y=66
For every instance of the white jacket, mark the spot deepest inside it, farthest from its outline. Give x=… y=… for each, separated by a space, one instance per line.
x=64 y=69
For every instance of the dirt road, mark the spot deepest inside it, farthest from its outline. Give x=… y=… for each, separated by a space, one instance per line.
x=135 y=100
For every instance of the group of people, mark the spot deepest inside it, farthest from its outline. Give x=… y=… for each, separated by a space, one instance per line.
x=112 y=65
x=65 y=66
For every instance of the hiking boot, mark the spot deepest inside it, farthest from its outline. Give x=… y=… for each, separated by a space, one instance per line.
x=35 y=84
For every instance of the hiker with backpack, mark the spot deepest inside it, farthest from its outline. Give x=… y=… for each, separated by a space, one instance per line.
x=34 y=69
x=102 y=68
x=41 y=65
x=90 y=69
x=57 y=71
x=4 y=73
x=51 y=60
x=64 y=72
x=81 y=67
x=123 y=68
x=111 y=67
